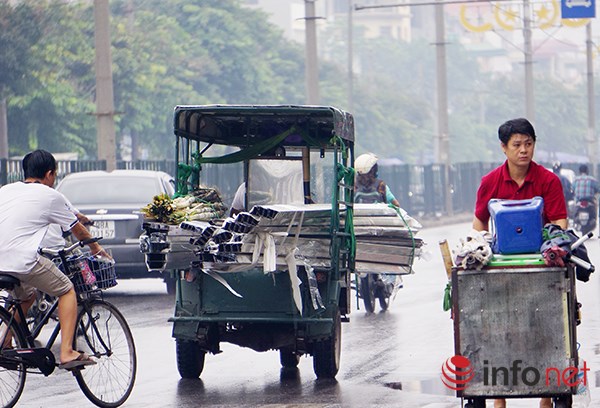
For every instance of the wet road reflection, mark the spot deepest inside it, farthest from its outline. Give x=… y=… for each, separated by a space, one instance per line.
x=389 y=359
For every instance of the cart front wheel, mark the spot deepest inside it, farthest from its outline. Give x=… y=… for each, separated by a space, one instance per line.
x=171 y=284
x=326 y=353
x=190 y=359
x=288 y=358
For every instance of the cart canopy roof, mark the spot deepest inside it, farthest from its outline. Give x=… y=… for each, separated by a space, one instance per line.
x=247 y=125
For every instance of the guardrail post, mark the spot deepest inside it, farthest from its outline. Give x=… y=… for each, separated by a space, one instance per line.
x=429 y=193
x=3 y=171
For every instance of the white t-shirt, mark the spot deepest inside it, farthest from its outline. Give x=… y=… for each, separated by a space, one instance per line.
x=26 y=212
x=54 y=236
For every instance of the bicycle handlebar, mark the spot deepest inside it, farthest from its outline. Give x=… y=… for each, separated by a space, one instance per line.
x=69 y=249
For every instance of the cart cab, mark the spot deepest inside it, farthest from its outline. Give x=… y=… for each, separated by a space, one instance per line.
x=276 y=276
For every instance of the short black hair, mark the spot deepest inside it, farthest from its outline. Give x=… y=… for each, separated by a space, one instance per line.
x=510 y=127
x=37 y=163
x=583 y=169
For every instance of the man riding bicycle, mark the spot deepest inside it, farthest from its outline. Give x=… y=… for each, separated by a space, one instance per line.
x=27 y=209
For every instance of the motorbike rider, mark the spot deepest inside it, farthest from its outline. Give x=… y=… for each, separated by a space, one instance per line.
x=369 y=188
x=585 y=186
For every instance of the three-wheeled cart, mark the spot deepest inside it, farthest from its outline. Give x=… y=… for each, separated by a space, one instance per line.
x=299 y=156
x=515 y=321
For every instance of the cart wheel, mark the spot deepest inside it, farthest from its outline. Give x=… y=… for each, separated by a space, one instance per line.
x=326 y=353
x=476 y=403
x=190 y=359
x=563 y=402
x=367 y=292
x=288 y=358
x=171 y=284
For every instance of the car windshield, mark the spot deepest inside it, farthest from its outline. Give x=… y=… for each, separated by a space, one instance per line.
x=110 y=190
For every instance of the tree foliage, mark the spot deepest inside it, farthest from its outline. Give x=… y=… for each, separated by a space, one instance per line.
x=164 y=54
x=215 y=51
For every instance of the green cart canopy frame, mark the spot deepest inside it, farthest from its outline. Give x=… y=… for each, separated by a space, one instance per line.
x=248 y=125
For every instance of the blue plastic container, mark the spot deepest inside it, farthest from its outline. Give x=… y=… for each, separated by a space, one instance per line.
x=517 y=225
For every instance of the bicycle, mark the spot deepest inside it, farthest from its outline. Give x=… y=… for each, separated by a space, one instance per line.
x=101 y=332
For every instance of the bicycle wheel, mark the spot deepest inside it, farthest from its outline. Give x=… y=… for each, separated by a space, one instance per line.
x=12 y=373
x=103 y=333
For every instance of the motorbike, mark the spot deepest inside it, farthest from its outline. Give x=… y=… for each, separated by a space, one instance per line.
x=381 y=287
x=585 y=216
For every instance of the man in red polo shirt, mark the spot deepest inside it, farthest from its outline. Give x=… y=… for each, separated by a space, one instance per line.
x=520 y=178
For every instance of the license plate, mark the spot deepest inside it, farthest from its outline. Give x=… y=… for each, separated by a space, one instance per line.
x=104 y=229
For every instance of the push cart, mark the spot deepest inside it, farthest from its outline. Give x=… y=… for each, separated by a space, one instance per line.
x=515 y=323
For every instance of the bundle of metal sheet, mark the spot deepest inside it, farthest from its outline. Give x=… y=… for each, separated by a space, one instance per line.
x=269 y=235
x=385 y=239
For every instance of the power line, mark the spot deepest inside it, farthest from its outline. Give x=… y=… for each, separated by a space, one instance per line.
x=428 y=3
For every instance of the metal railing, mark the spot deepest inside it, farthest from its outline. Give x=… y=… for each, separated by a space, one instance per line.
x=419 y=188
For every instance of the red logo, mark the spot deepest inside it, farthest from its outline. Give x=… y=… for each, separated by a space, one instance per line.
x=457 y=372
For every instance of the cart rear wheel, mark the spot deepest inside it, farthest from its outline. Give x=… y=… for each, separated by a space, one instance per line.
x=367 y=292
x=326 y=353
x=288 y=358
x=476 y=403
x=190 y=359
x=563 y=402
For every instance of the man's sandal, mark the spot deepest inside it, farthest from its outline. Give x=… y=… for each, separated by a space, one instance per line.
x=81 y=360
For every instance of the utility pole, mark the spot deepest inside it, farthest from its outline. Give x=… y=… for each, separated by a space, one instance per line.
x=130 y=13
x=350 y=58
x=312 y=69
x=105 y=110
x=529 y=103
x=442 y=142
x=591 y=136
x=312 y=83
x=442 y=102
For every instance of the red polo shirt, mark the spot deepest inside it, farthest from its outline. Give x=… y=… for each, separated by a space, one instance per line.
x=539 y=181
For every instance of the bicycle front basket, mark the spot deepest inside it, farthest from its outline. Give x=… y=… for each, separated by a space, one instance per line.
x=104 y=270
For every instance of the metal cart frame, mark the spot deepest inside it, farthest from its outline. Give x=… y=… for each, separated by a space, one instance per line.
x=517 y=327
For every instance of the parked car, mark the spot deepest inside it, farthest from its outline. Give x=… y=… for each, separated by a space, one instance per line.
x=113 y=201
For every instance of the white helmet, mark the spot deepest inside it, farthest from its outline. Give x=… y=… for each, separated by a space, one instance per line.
x=365 y=162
